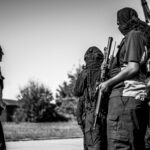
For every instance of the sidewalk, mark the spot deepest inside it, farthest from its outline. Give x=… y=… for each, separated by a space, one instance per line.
x=59 y=144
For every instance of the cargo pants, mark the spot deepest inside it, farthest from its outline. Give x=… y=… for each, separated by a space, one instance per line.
x=126 y=123
x=95 y=139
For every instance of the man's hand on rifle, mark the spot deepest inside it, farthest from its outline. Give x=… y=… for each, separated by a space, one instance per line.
x=104 y=87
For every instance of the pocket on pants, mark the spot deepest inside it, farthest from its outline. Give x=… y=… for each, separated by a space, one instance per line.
x=112 y=121
x=115 y=129
x=93 y=137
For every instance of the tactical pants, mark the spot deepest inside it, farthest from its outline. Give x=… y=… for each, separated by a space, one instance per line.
x=2 y=140
x=94 y=139
x=126 y=123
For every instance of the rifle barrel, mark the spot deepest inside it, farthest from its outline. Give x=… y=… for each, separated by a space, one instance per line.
x=146 y=10
x=111 y=57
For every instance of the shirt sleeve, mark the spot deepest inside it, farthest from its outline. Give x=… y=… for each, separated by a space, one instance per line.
x=134 y=47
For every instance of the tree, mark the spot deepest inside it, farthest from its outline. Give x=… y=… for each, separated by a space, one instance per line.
x=68 y=107
x=65 y=94
x=35 y=104
x=66 y=89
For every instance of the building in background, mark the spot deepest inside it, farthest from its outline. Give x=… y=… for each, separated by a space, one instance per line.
x=7 y=114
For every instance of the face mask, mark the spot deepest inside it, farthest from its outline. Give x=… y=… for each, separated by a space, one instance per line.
x=124 y=29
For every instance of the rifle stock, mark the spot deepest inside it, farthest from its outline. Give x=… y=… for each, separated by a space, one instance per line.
x=103 y=78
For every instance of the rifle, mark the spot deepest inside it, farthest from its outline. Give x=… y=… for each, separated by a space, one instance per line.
x=111 y=57
x=146 y=10
x=104 y=69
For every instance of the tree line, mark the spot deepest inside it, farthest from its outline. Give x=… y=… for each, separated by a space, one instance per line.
x=37 y=104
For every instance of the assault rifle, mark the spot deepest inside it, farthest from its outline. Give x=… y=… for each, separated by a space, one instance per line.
x=104 y=69
x=146 y=10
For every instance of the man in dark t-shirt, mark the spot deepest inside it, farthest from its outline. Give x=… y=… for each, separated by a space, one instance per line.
x=127 y=109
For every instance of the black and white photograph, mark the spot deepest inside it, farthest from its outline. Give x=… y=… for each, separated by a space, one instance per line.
x=74 y=74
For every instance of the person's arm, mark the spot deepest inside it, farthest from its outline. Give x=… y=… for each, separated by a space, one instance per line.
x=79 y=111
x=128 y=72
x=134 y=49
x=1 y=94
x=2 y=104
x=148 y=82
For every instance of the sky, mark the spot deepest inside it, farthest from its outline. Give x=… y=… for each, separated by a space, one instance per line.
x=44 y=40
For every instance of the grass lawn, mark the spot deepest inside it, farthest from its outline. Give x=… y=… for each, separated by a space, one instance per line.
x=32 y=131
x=35 y=131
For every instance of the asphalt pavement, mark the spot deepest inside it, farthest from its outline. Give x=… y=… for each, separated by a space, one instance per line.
x=58 y=144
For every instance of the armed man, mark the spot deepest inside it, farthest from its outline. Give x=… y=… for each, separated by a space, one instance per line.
x=2 y=106
x=95 y=139
x=127 y=107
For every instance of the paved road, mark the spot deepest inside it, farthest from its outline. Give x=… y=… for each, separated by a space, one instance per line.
x=61 y=144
